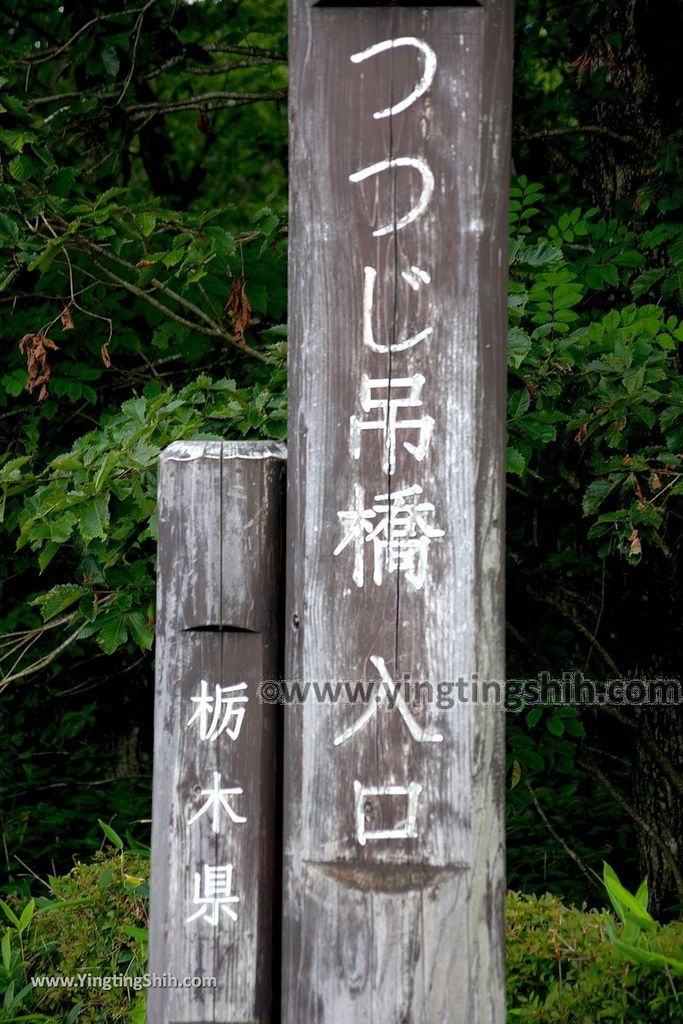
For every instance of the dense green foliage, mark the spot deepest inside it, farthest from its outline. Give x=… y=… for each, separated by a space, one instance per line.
x=92 y=923
x=561 y=965
x=142 y=196
x=561 y=968
x=120 y=281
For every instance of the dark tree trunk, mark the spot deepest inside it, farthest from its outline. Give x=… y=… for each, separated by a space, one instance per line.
x=636 y=45
x=651 y=633
x=659 y=802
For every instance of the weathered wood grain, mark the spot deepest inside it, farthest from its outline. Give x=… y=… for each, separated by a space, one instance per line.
x=406 y=927
x=219 y=574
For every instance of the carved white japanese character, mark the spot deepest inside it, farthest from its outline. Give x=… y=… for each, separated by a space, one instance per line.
x=425 y=196
x=406 y=830
x=217 y=799
x=216 y=896
x=428 y=71
x=388 y=421
x=398 y=530
x=215 y=711
x=392 y=690
x=414 y=276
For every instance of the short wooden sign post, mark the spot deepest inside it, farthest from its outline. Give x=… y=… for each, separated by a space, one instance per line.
x=394 y=852
x=215 y=836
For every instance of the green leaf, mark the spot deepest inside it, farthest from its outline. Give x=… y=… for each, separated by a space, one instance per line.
x=21 y=167
x=15 y=382
x=112 y=631
x=56 y=529
x=105 y=878
x=110 y=60
x=642 y=894
x=93 y=517
x=541 y=255
x=648 y=957
x=555 y=725
x=596 y=494
x=140 y=630
x=518 y=403
x=10 y=913
x=27 y=915
x=594 y=278
x=10 y=471
x=59 y=599
x=519 y=344
x=629 y=259
x=610 y=275
x=47 y=554
x=16 y=139
x=146 y=222
x=627 y=907
x=538 y=431
x=646 y=281
x=111 y=835
x=9 y=228
x=516 y=463
x=134 y=409
x=45 y=257
x=634 y=378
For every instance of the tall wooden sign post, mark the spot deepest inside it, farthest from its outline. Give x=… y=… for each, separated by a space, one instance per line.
x=394 y=855
x=214 y=831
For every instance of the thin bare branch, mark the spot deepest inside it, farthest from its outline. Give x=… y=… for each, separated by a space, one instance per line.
x=40 y=58
x=206 y=101
x=43 y=662
x=158 y=285
x=582 y=628
x=142 y=294
x=8 y=638
x=582 y=129
x=136 y=40
x=58 y=97
x=224 y=69
x=247 y=51
x=216 y=331
x=559 y=839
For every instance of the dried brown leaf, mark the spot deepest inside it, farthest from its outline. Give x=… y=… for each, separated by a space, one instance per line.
x=37 y=366
x=106 y=358
x=66 y=319
x=238 y=309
